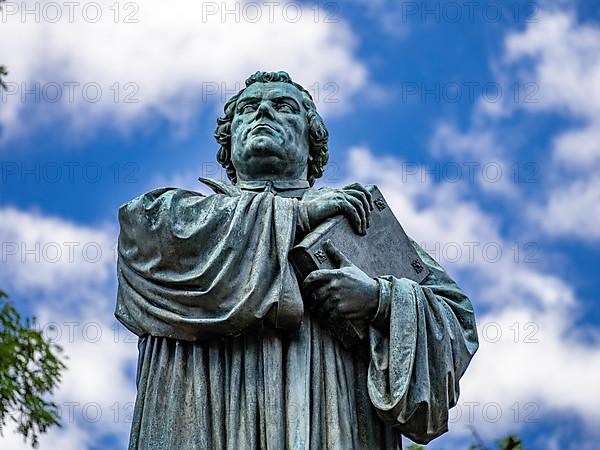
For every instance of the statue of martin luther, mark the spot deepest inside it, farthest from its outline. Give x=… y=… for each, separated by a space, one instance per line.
x=229 y=357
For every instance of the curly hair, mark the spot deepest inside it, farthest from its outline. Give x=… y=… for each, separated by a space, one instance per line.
x=318 y=134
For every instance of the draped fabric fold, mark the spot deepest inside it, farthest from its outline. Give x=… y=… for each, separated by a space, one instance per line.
x=192 y=267
x=416 y=365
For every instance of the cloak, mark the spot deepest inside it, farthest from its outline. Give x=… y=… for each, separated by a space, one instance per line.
x=230 y=359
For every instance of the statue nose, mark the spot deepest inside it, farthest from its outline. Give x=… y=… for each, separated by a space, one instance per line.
x=264 y=109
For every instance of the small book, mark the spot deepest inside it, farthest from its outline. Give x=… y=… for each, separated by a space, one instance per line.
x=384 y=250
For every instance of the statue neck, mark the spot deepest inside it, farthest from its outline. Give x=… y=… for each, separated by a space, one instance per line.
x=286 y=188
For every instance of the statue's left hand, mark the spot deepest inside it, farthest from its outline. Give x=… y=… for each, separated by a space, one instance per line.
x=346 y=292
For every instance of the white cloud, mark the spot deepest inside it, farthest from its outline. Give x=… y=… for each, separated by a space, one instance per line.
x=50 y=253
x=476 y=146
x=579 y=148
x=561 y=56
x=67 y=438
x=572 y=209
x=448 y=140
x=563 y=61
x=426 y=224
x=556 y=63
x=176 y=55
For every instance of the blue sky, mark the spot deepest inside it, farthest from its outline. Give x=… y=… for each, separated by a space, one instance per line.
x=479 y=121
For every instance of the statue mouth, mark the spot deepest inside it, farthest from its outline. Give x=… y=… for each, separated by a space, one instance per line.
x=263 y=126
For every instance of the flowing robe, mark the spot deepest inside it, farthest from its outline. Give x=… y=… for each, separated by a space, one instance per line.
x=230 y=359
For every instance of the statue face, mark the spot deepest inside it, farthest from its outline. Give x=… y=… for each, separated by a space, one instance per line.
x=269 y=133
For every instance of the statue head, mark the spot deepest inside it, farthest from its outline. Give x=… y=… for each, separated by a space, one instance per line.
x=271 y=131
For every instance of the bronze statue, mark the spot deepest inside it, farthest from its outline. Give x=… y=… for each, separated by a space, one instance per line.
x=229 y=356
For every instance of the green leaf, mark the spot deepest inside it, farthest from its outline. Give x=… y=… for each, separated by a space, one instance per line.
x=30 y=371
x=510 y=442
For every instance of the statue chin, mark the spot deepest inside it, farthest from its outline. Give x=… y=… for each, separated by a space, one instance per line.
x=261 y=156
x=264 y=145
x=263 y=166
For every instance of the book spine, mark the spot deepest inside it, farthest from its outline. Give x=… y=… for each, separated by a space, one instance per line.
x=303 y=262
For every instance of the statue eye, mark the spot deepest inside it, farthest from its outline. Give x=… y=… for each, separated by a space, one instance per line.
x=285 y=107
x=247 y=108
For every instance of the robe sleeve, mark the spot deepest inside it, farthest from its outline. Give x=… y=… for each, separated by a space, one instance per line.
x=194 y=267
x=421 y=342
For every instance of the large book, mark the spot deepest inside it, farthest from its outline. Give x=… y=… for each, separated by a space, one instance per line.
x=384 y=250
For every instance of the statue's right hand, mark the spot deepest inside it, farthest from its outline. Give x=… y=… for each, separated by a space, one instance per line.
x=352 y=201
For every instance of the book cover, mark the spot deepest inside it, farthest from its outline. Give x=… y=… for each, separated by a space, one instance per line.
x=384 y=250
